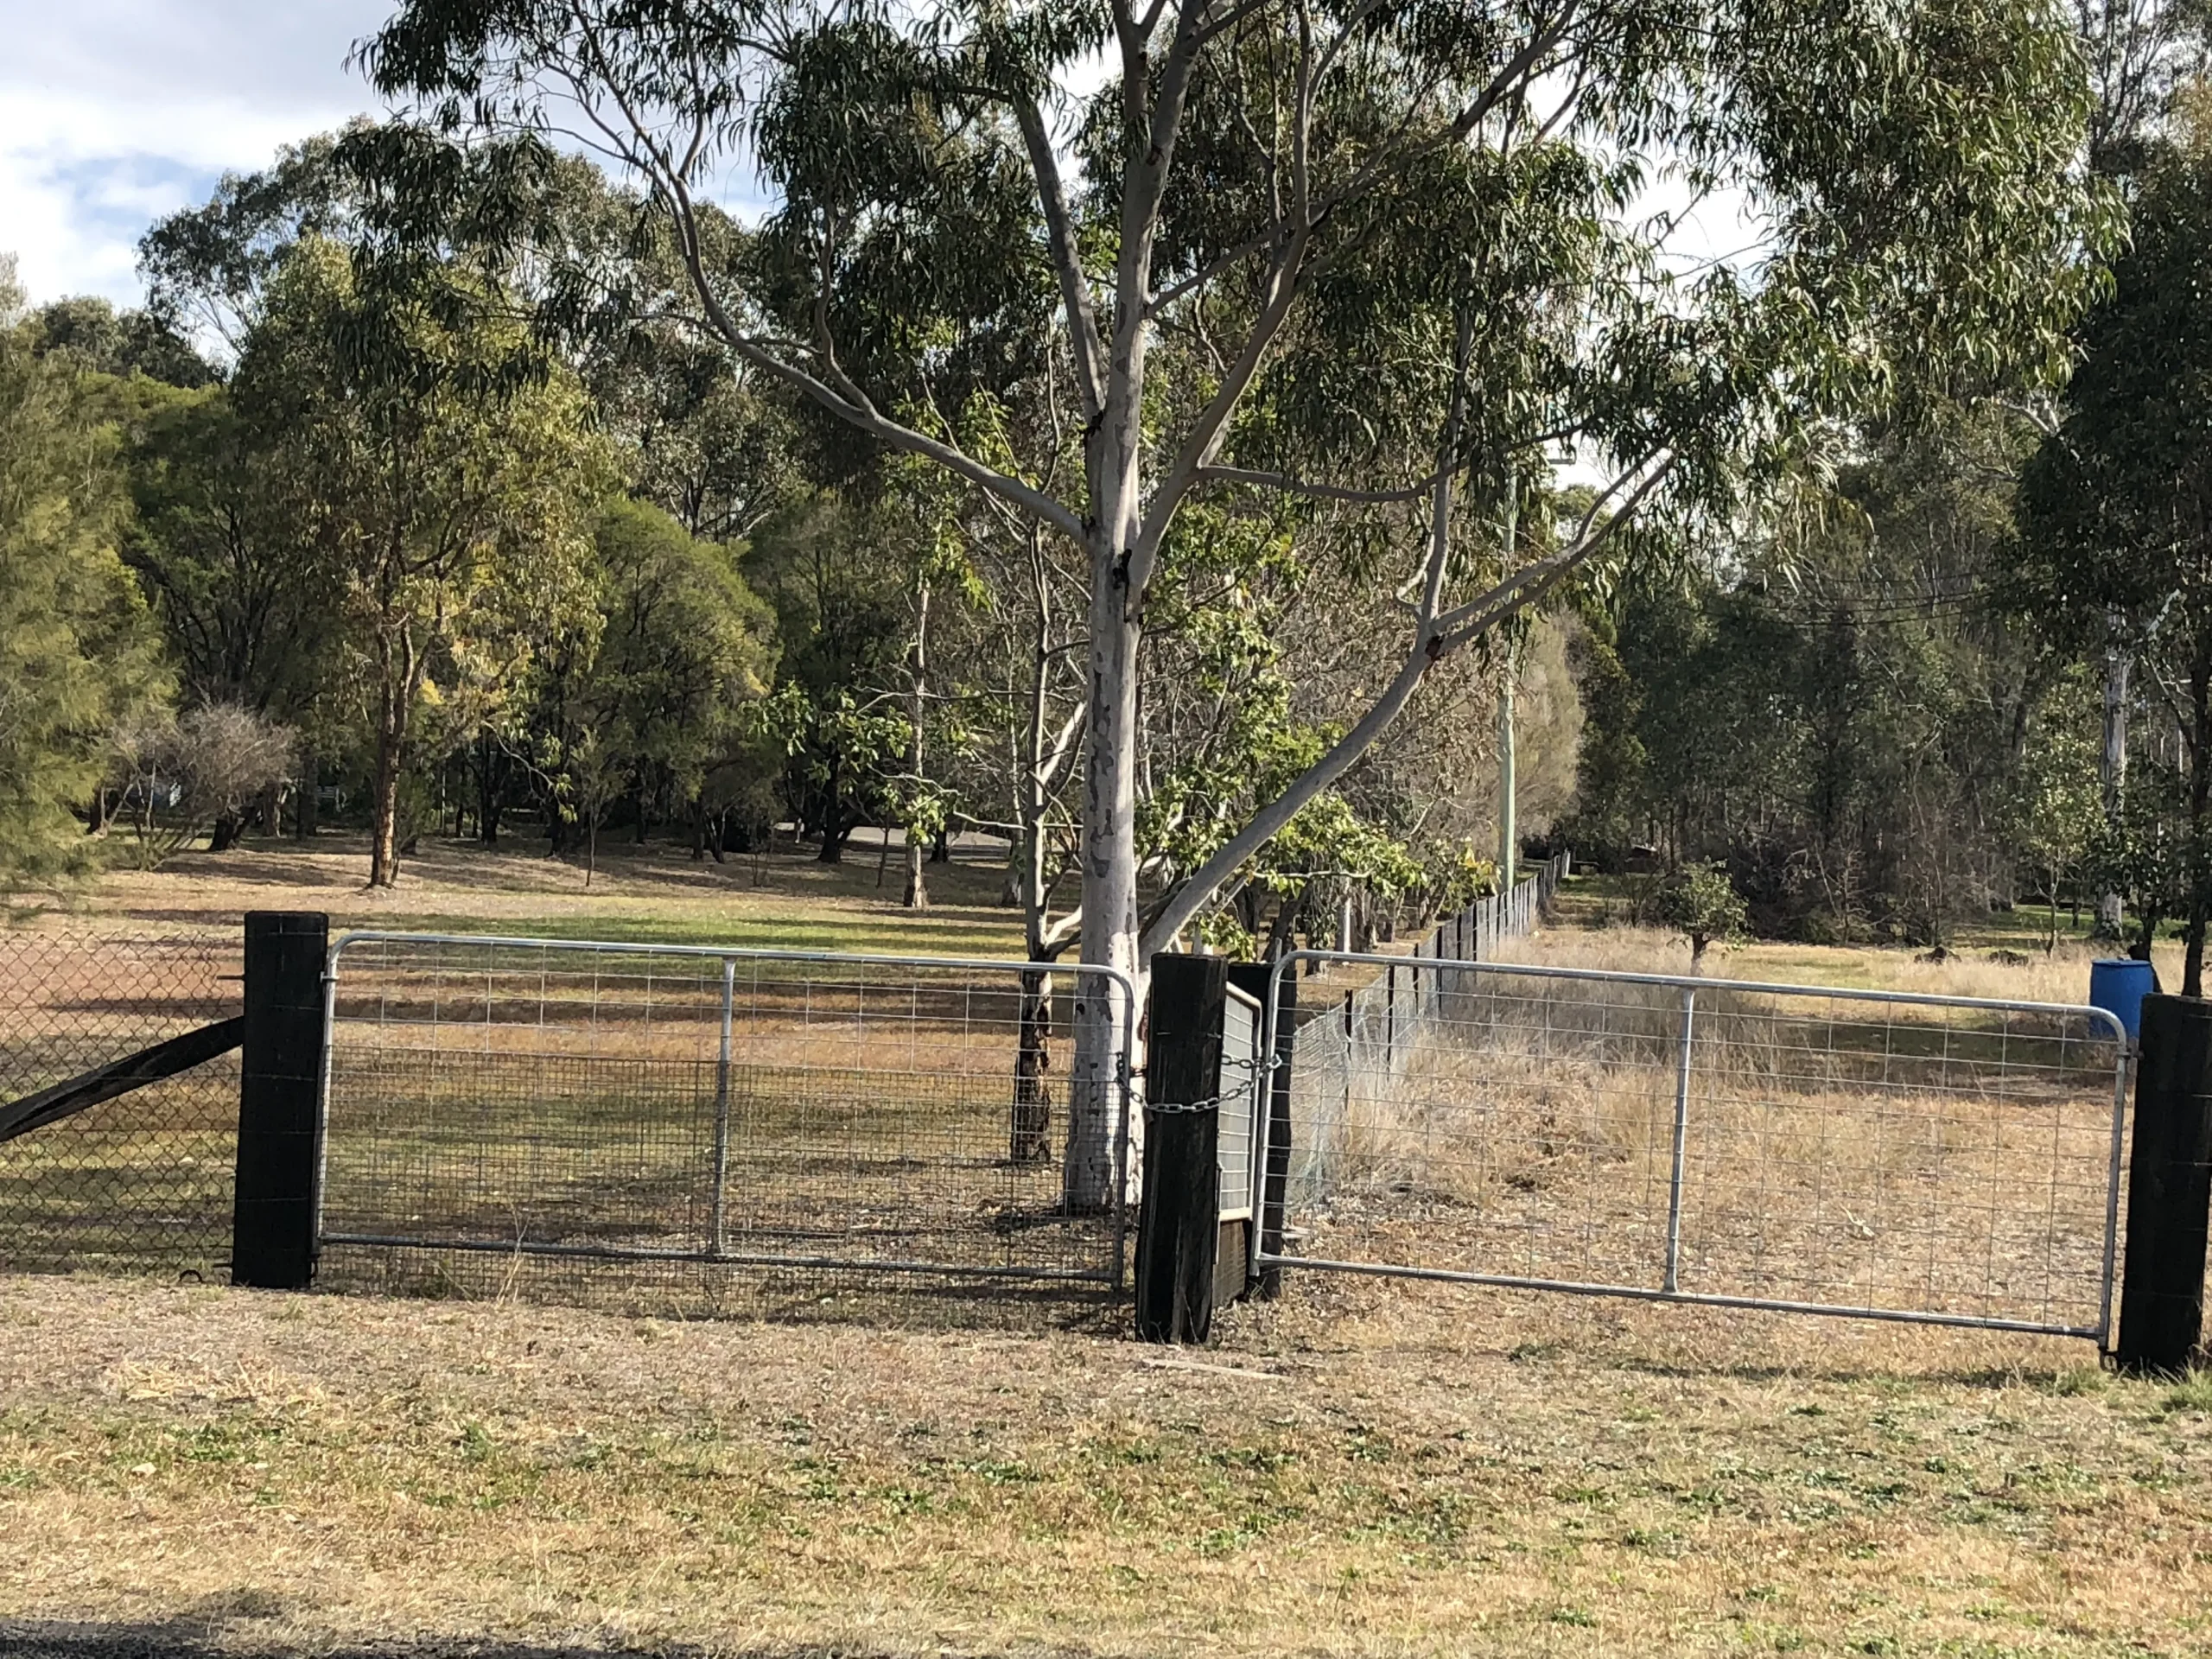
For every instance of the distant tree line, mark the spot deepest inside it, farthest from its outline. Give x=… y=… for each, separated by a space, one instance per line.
x=405 y=538
x=1163 y=476
x=1969 y=664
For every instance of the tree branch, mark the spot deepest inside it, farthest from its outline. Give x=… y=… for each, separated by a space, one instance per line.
x=865 y=417
x=1075 y=286
x=1267 y=822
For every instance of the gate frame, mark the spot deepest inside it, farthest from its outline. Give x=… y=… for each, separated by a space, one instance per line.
x=2100 y=1333
x=1123 y=1084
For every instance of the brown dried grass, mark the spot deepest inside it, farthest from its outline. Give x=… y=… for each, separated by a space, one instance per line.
x=1921 y=1160
x=1364 y=1469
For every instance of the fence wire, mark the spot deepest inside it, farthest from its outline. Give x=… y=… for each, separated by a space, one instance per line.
x=1927 y=1158
x=586 y=1117
x=141 y=1184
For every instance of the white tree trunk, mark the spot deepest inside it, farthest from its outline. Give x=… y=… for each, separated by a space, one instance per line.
x=1105 y=1032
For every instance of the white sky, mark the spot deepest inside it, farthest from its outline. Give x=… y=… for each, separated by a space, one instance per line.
x=114 y=112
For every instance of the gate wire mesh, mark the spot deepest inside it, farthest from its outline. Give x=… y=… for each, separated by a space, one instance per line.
x=142 y=1183
x=1929 y=1159
x=638 y=1124
x=1242 y=1069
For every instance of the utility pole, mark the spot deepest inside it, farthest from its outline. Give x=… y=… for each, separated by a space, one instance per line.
x=2113 y=768
x=1507 y=837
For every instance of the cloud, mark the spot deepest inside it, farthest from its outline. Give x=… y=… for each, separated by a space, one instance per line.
x=113 y=112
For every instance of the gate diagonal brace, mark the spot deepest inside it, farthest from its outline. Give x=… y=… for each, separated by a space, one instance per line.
x=51 y=1105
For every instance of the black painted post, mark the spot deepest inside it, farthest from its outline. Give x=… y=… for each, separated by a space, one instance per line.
x=2168 y=1189
x=1178 y=1229
x=280 y=1101
x=1274 y=1175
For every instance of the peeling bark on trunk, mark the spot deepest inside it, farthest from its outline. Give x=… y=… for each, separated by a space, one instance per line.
x=1029 y=1140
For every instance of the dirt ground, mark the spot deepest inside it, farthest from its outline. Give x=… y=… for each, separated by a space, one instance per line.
x=1360 y=1469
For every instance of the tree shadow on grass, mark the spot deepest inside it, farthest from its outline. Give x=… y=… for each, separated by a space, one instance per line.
x=223 y=1632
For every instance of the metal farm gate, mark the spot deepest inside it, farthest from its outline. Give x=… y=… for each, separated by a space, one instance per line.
x=536 y=1098
x=1242 y=1089
x=1885 y=1156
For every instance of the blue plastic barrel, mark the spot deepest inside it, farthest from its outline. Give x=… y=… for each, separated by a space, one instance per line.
x=2118 y=984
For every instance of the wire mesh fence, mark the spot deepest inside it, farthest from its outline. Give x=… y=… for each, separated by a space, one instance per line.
x=1909 y=1157
x=142 y=1183
x=1398 y=1000
x=666 y=1124
x=1242 y=1090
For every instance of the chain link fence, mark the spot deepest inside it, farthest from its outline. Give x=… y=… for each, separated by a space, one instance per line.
x=689 y=1128
x=1908 y=1157
x=142 y=1183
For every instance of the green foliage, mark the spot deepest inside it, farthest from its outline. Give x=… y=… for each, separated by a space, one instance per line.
x=682 y=648
x=1701 y=903
x=98 y=338
x=837 y=575
x=2053 y=811
x=2120 y=545
x=1284 y=257
x=78 y=652
x=1834 y=705
x=448 y=489
x=221 y=542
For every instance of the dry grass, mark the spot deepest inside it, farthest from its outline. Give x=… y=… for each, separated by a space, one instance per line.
x=1559 y=1168
x=1914 y=1158
x=569 y=1097
x=654 y=892
x=2062 y=976
x=1364 y=1469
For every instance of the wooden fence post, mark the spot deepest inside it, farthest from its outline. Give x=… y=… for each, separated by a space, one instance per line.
x=1178 y=1227
x=280 y=1101
x=2169 y=1189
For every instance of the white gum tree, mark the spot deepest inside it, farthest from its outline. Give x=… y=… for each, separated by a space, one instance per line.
x=1391 y=253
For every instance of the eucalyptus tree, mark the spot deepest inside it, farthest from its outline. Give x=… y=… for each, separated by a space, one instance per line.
x=684 y=647
x=2120 y=498
x=94 y=336
x=448 y=483
x=1417 y=250
x=841 y=603
x=220 y=542
x=208 y=270
x=2138 y=53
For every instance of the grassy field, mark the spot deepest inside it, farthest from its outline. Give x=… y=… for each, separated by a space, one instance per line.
x=2000 y=956
x=1363 y=1468
x=654 y=893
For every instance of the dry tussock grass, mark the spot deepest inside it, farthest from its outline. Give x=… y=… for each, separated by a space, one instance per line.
x=1915 y=1158
x=2062 y=977
x=1363 y=1469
